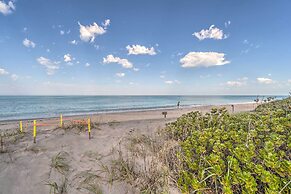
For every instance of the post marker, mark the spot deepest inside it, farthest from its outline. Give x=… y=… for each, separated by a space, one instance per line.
x=89 y=128
x=61 y=121
x=34 y=131
x=20 y=126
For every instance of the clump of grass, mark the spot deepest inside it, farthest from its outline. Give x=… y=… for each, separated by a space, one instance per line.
x=140 y=162
x=90 y=182
x=60 y=162
x=58 y=189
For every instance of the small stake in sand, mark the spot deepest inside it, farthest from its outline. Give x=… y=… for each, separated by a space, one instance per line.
x=89 y=128
x=61 y=121
x=2 y=143
x=34 y=131
x=20 y=126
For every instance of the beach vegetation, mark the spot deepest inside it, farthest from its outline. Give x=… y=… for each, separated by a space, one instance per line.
x=216 y=152
x=60 y=162
x=240 y=153
x=58 y=189
x=89 y=182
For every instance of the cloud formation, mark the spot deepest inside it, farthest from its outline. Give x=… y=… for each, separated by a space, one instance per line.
x=3 y=72
x=172 y=82
x=14 y=77
x=211 y=33
x=226 y=24
x=264 y=80
x=120 y=74
x=67 y=58
x=203 y=59
x=8 y=8
x=49 y=65
x=140 y=50
x=88 y=33
x=111 y=59
x=28 y=43
x=74 y=42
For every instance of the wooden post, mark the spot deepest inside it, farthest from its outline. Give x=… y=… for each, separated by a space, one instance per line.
x=2 y=142
x=34 y=131
x=61 y=121
x=89 y=128
x=20 y=126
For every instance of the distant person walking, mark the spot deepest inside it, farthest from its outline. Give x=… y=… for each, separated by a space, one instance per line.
x=178 y=104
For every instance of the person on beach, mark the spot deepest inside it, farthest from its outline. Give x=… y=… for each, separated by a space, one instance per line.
x=178 y=104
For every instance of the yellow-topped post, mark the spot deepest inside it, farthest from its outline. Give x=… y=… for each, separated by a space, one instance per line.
x=61 y=120
x=34 y=131
x=20 y=126
x=89 y=128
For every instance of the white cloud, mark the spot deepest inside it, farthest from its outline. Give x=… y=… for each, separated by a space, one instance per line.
x=235 y=83
x=120 y=74
x=88 y=33
x=111 y=59
x=226 y=24
x=14 y=77
x=169 y=82
x=6 y=9
x=211 y=33
x=74 y=42
x=49 y=65
x=87 y=65
x=106 y=23
x=172 y=82
x=203 y=59
x=263 y=80
x=140 y=50
x=3 y=72
x=135 y=69
x=67 y=58
x=28 y=43
x=62 y=32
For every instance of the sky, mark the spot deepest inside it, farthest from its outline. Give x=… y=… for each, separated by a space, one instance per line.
x=134 y=47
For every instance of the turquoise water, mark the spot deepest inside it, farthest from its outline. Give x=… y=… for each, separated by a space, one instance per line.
x=28 y=107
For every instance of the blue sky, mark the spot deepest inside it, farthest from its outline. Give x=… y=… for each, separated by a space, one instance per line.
x=145 y=47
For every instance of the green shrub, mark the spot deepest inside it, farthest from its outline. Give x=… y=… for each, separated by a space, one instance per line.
x=240 y=153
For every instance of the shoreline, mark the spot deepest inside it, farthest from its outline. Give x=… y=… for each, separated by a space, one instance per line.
x=138 y=115
x=137 y=110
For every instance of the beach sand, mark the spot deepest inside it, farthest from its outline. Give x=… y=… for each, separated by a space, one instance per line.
x=26 y=167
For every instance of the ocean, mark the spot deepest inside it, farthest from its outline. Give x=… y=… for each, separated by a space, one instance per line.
x=29 y=107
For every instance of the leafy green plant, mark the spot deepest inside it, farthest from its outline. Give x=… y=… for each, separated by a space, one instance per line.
x=241 y=153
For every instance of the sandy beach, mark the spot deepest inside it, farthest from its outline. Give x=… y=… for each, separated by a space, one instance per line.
x=26 y=167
